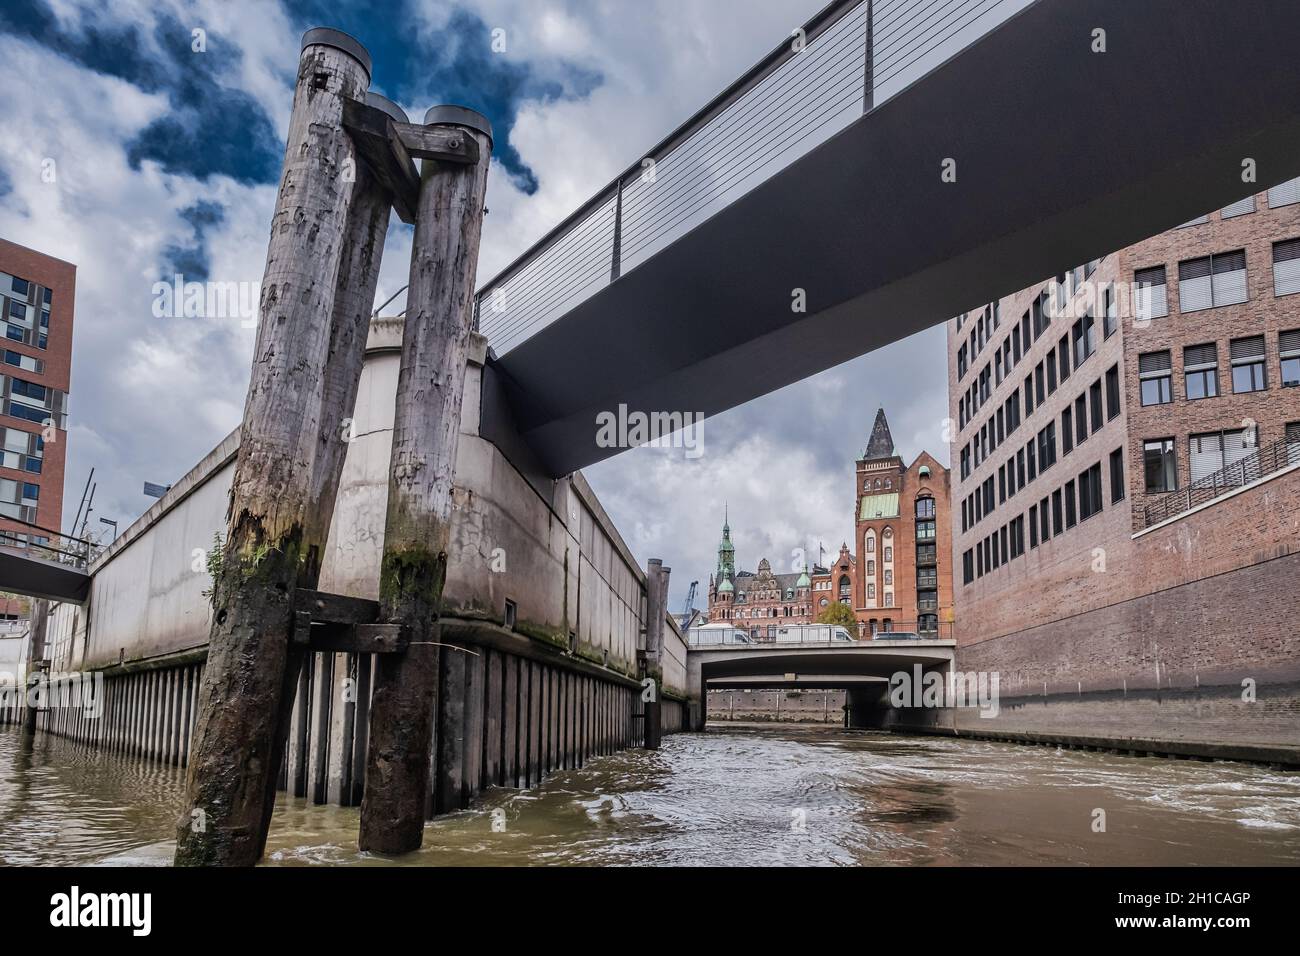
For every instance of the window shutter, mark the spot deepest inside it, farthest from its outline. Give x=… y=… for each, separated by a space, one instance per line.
x=1154 y=362
x=1286 y=267
x=1288 y=344
x=1195 y=285
x=1200 y=357
x=1230 y=278
x=1246 y=205
x=1286 y=194
x=1198 y=221
x=1151 y=295
x=1247 y=350
x=1150 y=277
x=1238 y=444
x=1205 y=454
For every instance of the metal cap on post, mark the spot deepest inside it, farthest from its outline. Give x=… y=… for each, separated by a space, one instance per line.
x=328 y=36
x=449 y=115
x=388 y=106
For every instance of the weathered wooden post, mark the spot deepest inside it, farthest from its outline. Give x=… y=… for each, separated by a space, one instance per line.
x=40 y=619
x=361 y=253
x=656 y=590
x=430 y=385
x=275 y=537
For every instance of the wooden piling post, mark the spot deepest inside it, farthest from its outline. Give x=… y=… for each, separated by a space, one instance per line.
x=656 y=591
x=40 y=620
x=430 y=386
x=275 y=536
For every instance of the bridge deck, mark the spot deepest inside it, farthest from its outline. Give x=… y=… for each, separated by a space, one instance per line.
x=1056 y=164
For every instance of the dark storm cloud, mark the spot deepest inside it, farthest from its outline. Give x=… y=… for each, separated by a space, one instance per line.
x=210 y=129
x=192 y=260
x=457 y=65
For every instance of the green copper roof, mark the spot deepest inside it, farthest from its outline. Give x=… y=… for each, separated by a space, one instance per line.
x=879 y=506
x=804 y=581
x=725 y=586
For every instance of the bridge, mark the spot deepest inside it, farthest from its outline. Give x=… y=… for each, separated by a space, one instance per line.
x=913 y=161
x=897 y=163
x=861 y=667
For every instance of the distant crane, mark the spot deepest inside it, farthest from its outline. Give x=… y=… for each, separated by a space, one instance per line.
x=690 y=601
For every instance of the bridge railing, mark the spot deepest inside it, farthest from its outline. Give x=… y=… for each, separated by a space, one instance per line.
x=823 y=635
x=41 y=542
x=846 y=60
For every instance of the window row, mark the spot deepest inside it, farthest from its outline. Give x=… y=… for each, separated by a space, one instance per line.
x=1089 y=412
x=1076 y=501
x=1209 y=282
x=1247 y=365
x=1207 y=453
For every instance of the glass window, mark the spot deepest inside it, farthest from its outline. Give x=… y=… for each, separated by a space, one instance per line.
x=1289 y=352
x=1117 y=489
x=1160 y=465
x=1201 y=368
x=1286 y=267
x=1112 y=392
x=1247 y=357
x=1156 y=374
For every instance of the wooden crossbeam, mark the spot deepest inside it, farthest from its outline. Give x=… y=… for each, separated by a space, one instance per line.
x=443 y=143
x=378 y=145
x=335 y=622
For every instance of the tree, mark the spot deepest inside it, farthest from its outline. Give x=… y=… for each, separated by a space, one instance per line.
x=840 y=614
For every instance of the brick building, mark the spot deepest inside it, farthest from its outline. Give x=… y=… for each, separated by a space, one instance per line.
x=1107 y=421
x=894 y=577
x=37 y=298
x=904 y=580
x=757 y=602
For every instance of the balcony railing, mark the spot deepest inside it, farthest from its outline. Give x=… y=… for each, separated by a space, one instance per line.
x=1258 y=464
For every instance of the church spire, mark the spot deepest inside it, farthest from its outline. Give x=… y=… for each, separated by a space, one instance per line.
x=881 y=444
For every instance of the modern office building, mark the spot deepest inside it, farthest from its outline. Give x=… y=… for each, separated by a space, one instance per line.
x=37 y=295
x=1127 y=437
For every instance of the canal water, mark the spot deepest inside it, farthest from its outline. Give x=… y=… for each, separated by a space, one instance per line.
x=737 y=796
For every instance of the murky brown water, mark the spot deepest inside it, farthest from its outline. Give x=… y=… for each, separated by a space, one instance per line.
x=728 y=797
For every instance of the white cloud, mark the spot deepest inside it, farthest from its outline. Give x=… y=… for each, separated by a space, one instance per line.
x=150 y=397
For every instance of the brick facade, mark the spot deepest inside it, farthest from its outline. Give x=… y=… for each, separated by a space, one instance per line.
x=1208 y=597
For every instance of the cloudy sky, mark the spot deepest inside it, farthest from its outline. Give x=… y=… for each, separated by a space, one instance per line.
x=166 y=160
